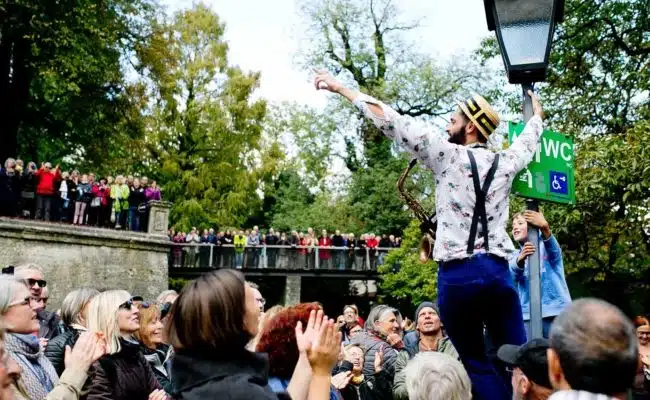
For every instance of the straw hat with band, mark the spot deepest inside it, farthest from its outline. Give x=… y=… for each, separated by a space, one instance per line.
x=481 y=113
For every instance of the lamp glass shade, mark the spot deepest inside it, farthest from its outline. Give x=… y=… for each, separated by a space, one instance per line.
x=524 y=30
x=526 y=43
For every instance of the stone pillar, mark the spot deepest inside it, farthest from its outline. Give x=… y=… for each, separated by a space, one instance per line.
x=292 y=290
x=158 y=217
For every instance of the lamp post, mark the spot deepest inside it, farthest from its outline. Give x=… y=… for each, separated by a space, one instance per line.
x=524 y=30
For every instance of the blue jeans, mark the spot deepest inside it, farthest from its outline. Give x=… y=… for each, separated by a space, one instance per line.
x=239 y=260
x=134 y=217
x=546 y=327
x=473 y=293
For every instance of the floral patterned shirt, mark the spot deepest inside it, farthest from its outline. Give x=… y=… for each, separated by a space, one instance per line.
x=455 y=196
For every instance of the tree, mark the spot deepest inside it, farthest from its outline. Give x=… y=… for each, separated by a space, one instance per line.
x=406 y=281
x=363 y=39
x=62 y=86
x=203 y=129
x=596 y=90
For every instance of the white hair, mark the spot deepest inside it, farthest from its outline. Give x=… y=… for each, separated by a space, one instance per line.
x=20 y=272
x=433 y=376
x=164 y=294
x=9 y=286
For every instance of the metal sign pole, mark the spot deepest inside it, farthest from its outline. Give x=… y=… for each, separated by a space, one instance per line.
x=534 y=282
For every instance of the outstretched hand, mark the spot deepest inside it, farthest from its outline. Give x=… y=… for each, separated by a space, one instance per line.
x=325 y=81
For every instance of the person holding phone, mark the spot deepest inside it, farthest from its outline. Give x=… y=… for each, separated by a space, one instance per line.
x=351 y=382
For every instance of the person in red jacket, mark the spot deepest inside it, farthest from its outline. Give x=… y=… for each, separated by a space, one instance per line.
x=372 y=244
x=46 y=179
x=323 y=252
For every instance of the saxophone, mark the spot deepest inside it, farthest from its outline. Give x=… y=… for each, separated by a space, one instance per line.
x=428 y=223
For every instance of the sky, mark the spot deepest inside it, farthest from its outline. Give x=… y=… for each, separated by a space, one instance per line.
x=265 y=35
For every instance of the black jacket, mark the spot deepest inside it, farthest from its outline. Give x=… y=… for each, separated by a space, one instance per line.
x=204 y=374
x=376 y=387
x=137 y=197
x=125 y=375
x=49 y=324
x=55 y=350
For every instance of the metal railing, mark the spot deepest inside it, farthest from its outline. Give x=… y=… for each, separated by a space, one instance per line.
x=206 y=255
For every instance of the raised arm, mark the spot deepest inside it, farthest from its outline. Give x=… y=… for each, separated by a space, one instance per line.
x=415 y=136
x=523 y=148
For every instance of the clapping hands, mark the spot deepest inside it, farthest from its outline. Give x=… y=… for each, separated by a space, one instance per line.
x=89 y=348
x=320 y=341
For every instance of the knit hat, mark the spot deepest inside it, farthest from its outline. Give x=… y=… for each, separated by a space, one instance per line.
x=481 y=113
x=422 y=305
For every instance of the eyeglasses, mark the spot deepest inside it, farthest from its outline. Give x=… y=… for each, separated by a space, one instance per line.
x=24 y=302
x=40 y=282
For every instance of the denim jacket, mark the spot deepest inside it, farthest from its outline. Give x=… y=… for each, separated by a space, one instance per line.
x=555 y=292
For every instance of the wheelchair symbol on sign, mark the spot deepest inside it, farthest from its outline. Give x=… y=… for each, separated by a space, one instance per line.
x=558 y=182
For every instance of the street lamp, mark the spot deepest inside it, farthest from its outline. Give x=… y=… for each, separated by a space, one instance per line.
x=524 y=30
x=525 y=33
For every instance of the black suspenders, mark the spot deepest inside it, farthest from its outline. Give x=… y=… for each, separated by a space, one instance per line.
x=479 y=208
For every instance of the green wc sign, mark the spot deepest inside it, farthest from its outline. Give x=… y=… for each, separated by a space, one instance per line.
x=550 y=176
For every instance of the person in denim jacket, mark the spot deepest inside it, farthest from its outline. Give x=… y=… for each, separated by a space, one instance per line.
x=555 y=292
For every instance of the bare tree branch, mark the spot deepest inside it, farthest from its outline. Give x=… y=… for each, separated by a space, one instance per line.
x=620 y=41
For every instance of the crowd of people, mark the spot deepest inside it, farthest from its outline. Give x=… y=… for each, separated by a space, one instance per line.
x=214 y=339
x=252 y=248
x=47 y=193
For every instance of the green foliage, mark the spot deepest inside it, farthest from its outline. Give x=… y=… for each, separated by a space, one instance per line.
x=597 y=91
x=62 y=87
x=405 y=280
x=600 y=67
x=177 y=284
x=203 y=130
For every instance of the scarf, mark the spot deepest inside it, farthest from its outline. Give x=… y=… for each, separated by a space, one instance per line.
x=38 y=374
x=578 y=395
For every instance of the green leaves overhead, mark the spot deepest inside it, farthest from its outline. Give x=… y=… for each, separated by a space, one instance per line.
x=204 y=130
x=62 y=85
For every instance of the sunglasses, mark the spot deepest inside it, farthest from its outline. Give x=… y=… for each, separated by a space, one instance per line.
x=164 y=309
x=40 y=282
x=130 y=303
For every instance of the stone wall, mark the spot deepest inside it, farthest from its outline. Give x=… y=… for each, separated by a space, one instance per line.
x=73 y=256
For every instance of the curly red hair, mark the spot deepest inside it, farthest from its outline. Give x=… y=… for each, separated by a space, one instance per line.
x=278 y=339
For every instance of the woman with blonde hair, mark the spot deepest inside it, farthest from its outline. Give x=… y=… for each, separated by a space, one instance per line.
x=74 y=309
x=150 y=336
x=122 y=374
